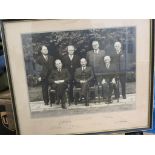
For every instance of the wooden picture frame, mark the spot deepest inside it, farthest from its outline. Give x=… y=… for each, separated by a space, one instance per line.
x=24 y=39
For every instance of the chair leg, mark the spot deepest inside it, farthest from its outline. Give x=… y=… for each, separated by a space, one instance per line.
x=118 y=100
x=66 y=96
x=87 y=100
x=94 y=97
x=98 y=94
x=75 y=98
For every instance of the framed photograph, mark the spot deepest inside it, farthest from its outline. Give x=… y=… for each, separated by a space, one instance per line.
x=80 y=76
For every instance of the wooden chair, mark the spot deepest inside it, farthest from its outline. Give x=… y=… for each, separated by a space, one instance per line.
x=52 y=95
x=92 y=89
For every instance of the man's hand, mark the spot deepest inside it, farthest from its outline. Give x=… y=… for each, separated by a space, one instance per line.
x=39 y=79
x=113 y=81
x=59 y=81
x=103 y=81
x=83 y=81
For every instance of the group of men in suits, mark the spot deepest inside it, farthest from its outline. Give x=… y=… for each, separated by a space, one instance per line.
x=69 y=71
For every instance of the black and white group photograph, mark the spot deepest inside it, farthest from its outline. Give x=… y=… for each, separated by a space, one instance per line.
x=80 y=71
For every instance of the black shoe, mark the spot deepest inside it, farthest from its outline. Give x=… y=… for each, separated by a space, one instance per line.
x=110 y=101
x=71 y=100
x=106 y=102
x=46 y=103
x=104 y=99
x=64 y=106
x=82 y=98
x=117 y=99
x=86 y=104
x=57 y=102
x=124 y=97
x=75 y=102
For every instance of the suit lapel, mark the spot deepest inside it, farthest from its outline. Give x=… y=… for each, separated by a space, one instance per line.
x=68 y=58
x=44 y=61
x=73 y=58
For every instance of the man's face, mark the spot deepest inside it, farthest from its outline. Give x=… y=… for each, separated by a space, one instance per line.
x=44 y=50
x=107 y=60
x=83 y=62
x=117 y=46
x=95 y=45
x=58 y=64
x=70 y=50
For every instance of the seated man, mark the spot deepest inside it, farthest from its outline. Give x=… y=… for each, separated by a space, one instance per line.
x=83 y=76
x=109 y=81
x=59 y=78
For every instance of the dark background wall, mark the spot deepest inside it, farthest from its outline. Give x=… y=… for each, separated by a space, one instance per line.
x=81 y=39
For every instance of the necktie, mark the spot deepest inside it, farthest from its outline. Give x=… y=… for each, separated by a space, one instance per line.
x=107 y=65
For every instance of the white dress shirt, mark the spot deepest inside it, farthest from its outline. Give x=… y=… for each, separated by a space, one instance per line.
x=83 y=68
x=96 y=51
x=71 y=57
x=45 y=57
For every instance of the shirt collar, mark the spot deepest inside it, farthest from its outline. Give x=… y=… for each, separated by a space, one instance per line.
x=96 y=51
x=45 y=57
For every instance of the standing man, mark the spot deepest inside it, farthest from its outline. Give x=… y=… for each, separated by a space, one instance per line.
x=95 y=59
x=109 y=81
x=71 y=62
x=119 y=60
x=46 y=61
x=59 y=78
x=83 y=76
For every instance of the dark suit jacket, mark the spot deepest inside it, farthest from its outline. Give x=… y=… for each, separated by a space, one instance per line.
x=96 y=61
x=55 y=75
x=71 y=65
x=87 y=74
x=47 y=66
x=119 y=61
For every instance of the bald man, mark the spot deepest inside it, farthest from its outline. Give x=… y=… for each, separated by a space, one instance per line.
x=59 y=79
x=46 y=61
x=83 y=75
